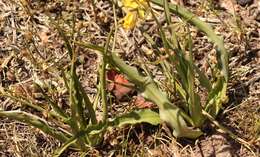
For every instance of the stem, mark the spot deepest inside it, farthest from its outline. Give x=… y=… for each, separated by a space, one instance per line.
x=103 y=79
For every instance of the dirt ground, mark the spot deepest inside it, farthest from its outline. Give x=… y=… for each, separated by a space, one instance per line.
x=30 y=44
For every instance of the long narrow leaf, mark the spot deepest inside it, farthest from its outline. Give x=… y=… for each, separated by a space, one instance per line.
x=54 y=106
x=89 y=106
x=135 y=117
x=102 y=73
x=64 y=36
x=28 y=103
x=169 y=113
x=35 y=121
x=217 y=96
x=67 y=144
x=191 y=18
x=204 y=81
x=194 y=99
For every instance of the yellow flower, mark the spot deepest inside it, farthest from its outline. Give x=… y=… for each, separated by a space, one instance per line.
x=130 y=20
x=141 y=13
x=135 y=9
x=134 y=4
x=130 y=4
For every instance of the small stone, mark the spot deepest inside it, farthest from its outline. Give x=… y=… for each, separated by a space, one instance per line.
x=10 y=76
x=224 y=151
x=257 y=17
x=258 y=54
x=245 y=2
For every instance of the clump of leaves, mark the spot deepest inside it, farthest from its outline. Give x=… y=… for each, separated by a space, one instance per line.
x=80 y=125
x=181 y=72
x=179 y=69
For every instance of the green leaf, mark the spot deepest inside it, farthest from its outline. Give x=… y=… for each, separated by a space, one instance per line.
x=222 y=54
x=166 y=11
x=216 y=97
x=54 y=105
x=137 y=116
x=204 y=81
x=59 y=151
x=64 y=37
x=195 y=108
x=174 y=118
x=36 y=122
x=94 y=134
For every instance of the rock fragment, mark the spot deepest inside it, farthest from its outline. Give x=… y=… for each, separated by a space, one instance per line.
x=245 y=2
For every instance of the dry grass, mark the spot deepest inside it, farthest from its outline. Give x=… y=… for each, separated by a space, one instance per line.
x=29 y=44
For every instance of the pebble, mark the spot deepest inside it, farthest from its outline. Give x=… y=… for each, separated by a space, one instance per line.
x=224 y=151
x=245 y=2
x=257 y=17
